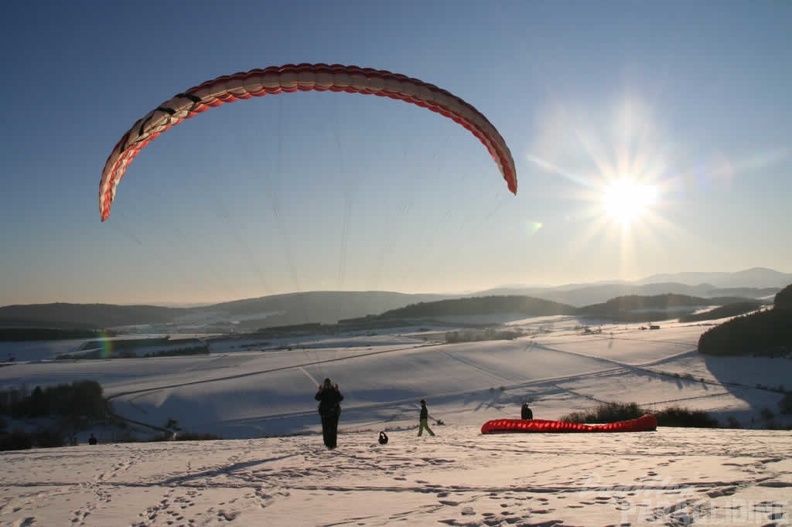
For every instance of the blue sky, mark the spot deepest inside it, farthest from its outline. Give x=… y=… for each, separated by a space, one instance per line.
x=686 y=101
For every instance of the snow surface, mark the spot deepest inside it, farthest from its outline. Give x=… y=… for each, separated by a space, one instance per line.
x=272 y=469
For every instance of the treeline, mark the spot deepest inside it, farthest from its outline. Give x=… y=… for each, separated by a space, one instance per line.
x=675 y=416
x=456 y=337
x=634 y=308
x=87 y=316
x=33 y=334
x=133 y=348
x=79 y=399
x=120 y=345
x=766 y=333
x=485 y=305
x=58 y=413
x=671 y=416
x=630 y=308
x=290 y=330
x=729 y=310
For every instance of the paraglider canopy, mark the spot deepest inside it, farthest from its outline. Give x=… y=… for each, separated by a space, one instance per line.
x=293 y=78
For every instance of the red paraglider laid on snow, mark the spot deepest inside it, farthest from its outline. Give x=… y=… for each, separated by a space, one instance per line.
x=645 y=423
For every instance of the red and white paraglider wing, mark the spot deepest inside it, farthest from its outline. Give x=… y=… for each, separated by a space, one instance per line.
x=292 y=78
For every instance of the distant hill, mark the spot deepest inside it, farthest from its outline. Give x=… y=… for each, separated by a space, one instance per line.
x=326 y=307
x=757 y=277
x=329 y=307
x=621 y=309
x=635 y=308
x=485 y=305
x=85 y=316
x=749 y=284
x=726 y=311
x=585 y=295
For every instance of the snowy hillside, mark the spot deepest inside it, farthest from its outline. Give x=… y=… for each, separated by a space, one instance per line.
x=247 y=389
x=263 y=474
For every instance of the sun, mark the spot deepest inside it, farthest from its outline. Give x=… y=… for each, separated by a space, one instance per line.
x=627 y=200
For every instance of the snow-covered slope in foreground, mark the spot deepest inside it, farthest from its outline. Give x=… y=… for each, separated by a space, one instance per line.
x=669 y=477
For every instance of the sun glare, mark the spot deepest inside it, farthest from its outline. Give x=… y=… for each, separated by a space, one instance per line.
x=626 y=200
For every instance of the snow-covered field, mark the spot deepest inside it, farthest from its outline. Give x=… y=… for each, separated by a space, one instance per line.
x=271 y=467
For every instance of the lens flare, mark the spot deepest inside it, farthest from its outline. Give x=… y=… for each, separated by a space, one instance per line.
x=107 y=345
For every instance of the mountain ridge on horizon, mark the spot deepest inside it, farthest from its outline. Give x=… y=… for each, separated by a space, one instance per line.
x=757 y=277
x=331 y=306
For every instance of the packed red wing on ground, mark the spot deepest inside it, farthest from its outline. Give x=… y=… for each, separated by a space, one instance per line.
x=645 y=423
